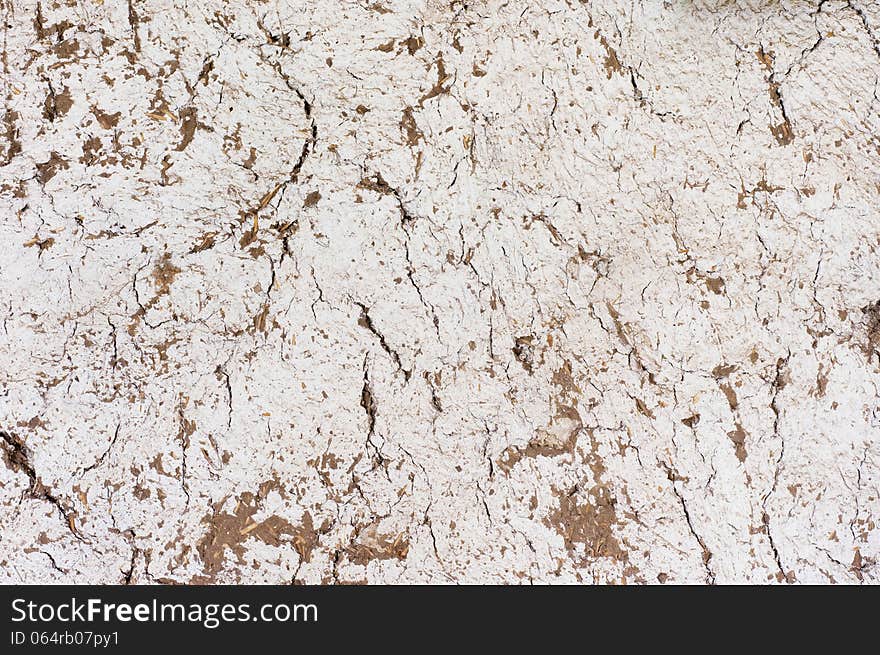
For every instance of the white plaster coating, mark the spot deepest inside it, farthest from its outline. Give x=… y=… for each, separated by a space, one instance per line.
x=405 y=292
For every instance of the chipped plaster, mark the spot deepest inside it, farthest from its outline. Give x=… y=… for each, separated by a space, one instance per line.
x=394 y=291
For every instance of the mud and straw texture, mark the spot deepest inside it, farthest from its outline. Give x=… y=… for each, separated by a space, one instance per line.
x=419 y=291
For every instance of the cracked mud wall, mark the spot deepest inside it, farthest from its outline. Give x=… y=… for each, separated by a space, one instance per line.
x=439 y=291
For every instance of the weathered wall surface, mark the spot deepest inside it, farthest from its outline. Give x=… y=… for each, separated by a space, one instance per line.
x=405 y=291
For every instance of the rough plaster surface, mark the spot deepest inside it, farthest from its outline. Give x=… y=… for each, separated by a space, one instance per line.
x=404 y=291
